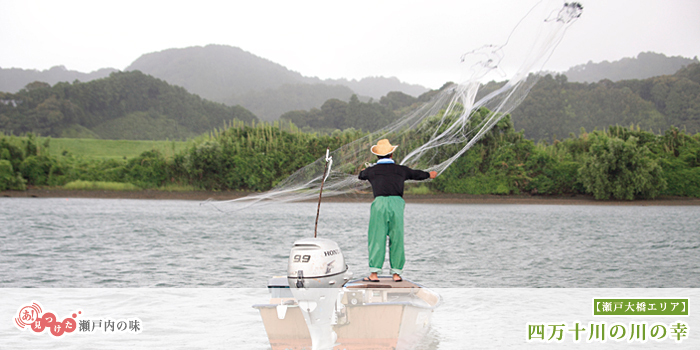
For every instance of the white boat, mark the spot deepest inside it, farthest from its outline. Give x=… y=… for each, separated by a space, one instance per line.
x=365 y=315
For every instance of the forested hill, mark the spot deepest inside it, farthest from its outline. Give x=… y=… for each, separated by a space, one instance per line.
x=125 y=105
x=366 y=116
x=14 y=79
x=645 y=65
x=556 y=107
x=233 y=76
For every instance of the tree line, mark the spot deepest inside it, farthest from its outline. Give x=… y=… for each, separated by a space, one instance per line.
x=615 y=163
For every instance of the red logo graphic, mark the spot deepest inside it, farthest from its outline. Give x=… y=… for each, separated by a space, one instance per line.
x=27 y=315
x=32 y=316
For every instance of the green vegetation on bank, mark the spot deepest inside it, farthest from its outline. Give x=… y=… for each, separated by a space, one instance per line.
x=99 y=185
x=253 y=158
x=616 y=163
x=94 y=148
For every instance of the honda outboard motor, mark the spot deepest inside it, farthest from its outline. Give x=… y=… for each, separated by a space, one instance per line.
x=316 y=274
x=317 y=263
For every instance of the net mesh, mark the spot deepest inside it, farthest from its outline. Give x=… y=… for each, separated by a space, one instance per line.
x=433 y=135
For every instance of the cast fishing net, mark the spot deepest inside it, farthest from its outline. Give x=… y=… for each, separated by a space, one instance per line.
x=433 y=135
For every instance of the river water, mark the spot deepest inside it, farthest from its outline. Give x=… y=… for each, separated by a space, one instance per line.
x=191 y=272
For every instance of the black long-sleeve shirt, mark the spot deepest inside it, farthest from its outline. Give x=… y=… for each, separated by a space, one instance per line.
x=387 y=179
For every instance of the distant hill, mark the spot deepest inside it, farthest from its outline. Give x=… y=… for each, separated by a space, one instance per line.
x=215 y=72
x=233 y=76
x=270 y=104
x=376 y=87
x=14 y=79
x=125 y=105
x=645 y=65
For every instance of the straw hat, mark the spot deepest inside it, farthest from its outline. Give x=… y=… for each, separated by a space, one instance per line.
x=383 y=147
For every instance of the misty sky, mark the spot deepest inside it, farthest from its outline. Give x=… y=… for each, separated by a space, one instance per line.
x=419 y=42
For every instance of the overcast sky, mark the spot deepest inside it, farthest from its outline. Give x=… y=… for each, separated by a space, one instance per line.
x=419 y=42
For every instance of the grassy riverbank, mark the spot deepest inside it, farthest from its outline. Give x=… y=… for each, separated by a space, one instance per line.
x=617 y=163
x=110 y=149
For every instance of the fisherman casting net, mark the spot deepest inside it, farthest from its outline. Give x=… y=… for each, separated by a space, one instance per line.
x=435 y=134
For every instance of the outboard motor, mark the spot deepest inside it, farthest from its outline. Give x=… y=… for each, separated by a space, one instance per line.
x=317 y=263
x=316 y=274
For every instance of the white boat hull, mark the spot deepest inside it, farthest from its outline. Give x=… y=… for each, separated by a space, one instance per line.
x=384 y=315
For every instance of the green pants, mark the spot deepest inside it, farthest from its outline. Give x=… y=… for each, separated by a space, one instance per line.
x=386 y=219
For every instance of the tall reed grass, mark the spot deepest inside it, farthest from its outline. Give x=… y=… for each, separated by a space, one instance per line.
x=100 y=185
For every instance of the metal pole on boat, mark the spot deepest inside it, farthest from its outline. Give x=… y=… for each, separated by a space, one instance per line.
x=329 y=160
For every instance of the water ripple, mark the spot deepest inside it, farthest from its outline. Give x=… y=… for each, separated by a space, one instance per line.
x=132 y=243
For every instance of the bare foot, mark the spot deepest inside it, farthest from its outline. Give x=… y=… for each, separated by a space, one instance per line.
x=397 y=278
x=372 y=277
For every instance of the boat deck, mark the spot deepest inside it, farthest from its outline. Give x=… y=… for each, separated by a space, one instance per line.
x=384 y=282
